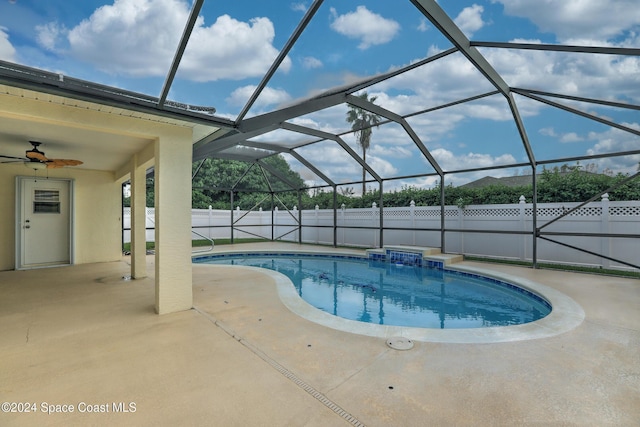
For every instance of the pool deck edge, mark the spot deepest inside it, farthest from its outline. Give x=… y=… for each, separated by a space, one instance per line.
x=566 y=314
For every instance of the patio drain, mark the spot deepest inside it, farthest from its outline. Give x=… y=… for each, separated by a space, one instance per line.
x=287 y=373
x=400 y=343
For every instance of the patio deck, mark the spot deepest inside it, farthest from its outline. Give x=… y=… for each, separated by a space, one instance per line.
x=85 y=335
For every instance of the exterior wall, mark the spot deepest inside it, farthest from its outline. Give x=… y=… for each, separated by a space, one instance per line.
x=8 y=214
x=98 y=201
x=97 y=213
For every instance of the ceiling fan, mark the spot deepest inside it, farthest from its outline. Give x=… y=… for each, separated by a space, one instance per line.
x=35 y=159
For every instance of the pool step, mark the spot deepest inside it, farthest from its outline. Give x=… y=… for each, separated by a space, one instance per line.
x=433 y=256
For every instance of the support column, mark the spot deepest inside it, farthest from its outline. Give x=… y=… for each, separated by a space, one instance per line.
x=138 y=220
x=173 y=222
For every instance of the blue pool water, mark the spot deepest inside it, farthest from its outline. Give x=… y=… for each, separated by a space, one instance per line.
x=389 y=294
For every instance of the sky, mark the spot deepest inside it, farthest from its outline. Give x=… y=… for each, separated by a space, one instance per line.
x=131 y=43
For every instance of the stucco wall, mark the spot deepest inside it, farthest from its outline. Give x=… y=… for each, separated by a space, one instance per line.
x=7 y=214
x=97 y=213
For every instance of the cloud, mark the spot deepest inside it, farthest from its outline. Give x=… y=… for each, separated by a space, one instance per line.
x=230 y=49
x=135 y=38
x=450 y=161
x=299 y=7
x=309 y=62
x=388 y=151
x=470 y=19
x=578 y=19
x=381 y=166
x=7 y=51
x=48 y=35
x=616 y=140
x=563 y=138
x=423 y=25
x=571 y=137
x=548 y=132
x=370 y=28
x=139 y=37
x=268 y=96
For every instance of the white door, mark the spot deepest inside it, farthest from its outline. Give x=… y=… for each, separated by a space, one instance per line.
x=44 y=222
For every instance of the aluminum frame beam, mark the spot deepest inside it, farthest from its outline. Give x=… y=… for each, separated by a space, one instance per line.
x=312 y=168
x=227 y=141
x=281 y=56
x=581 y=113
x=434 y=13
x=376 y=109
x=184 y=40
x=273 y=171
x=522 y=91
x=560 y=48
x=294 y=154
x=336 y=138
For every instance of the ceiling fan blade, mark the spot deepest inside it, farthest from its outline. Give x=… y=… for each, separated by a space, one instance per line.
x=36 y=155
x=60 y=163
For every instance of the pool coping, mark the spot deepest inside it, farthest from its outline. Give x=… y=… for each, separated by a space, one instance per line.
x=565 y=315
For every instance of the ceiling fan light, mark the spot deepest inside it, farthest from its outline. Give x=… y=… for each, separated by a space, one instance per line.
x=35 y=165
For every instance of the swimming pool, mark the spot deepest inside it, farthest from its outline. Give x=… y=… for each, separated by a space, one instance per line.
x=384 y=293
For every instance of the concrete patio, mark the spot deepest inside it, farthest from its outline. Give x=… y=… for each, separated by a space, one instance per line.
x=88 y=337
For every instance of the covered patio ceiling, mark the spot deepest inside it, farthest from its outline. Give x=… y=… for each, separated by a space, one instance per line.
x=99 y=148
x=450 y=101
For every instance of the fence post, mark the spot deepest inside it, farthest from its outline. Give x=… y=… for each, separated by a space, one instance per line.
x=460 y=214
x=209 y=221
x=523 y=245
x=148 y=220
x=274 y=227
x=317 y=211
x=235 y=214
x=373 y=223
x=412 y=213
x=296 y=214
x=343 y=221
x=605 y=242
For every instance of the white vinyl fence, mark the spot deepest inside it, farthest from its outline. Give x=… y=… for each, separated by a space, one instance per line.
x=420 y=225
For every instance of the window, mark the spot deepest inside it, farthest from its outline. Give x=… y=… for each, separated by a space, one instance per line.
x=46 y=201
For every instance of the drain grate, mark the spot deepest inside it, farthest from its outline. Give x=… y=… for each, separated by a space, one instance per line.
x=288 y=374
x=400 y=343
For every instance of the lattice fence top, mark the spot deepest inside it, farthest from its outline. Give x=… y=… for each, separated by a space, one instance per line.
x=357 y=215
x=492 y=212
x=397 y=213
x=557 y=211
x=624 y=210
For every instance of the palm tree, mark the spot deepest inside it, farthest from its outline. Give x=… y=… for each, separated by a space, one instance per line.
x=362 y=122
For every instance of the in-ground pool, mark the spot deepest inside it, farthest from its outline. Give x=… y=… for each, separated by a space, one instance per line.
x=389 y=294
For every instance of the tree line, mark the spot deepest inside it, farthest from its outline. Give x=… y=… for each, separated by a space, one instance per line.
x=253 y=188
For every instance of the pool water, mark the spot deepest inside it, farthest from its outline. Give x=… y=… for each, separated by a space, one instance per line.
x=390 y=294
